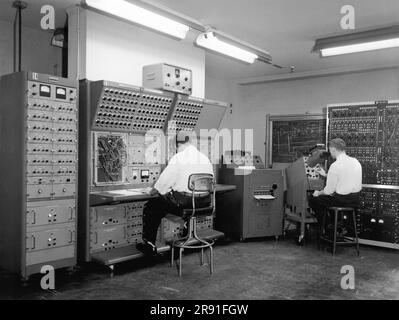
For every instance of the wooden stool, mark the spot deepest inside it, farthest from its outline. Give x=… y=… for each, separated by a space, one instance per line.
x=337 y=211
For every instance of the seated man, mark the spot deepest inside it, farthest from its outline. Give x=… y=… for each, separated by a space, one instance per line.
x=172 y=187
x=344 y=182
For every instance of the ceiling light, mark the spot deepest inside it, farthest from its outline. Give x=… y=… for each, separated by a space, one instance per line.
x=377 y=39
x=211 y=42
x=133 y=13
x=361 y=47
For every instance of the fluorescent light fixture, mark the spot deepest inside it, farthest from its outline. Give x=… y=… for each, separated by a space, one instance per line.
x=209 y=41
x=367 y=40
x=361 y=47
x=133 y=13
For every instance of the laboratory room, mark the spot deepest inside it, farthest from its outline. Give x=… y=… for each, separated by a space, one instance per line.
x=206 y=151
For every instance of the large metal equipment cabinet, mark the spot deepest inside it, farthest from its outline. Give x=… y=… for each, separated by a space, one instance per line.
x=240 y=214
x=370 y=130
x=38 y=180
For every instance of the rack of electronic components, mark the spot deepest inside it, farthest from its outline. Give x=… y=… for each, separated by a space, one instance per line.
x=370 y=130
x=38 y=182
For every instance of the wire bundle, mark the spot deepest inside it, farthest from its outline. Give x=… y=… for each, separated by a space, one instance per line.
x=112 y=157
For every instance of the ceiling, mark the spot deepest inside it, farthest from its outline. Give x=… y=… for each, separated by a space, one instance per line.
x=287 y=29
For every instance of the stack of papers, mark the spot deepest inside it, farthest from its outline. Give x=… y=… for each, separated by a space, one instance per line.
x=126 y=192
x=264 y=197
x=131 y=192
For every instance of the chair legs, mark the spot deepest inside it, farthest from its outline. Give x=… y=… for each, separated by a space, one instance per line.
x=185 y=244
x=180 y=260
x=211 y=262
x=181 y=250
x=322 y=229
x=172 y=254
x=335 y=232
x=334 y=241
x=356 y=235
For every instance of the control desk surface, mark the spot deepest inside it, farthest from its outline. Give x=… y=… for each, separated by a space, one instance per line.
x=140 y=194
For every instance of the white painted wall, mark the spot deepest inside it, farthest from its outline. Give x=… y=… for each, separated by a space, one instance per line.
x=37 y=54
x=117 y=51
x=252 y=103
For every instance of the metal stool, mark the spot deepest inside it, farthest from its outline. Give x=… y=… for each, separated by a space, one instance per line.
x=337 y=211
x=199 y=184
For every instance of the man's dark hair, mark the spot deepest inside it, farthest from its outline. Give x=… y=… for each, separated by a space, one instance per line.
x=182 y=139
x=338 y=144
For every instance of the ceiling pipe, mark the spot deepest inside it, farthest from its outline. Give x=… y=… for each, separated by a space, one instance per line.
x=19 y=6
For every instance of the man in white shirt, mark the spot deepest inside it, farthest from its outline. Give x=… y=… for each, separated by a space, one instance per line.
x=172 y=187
x=344 y=182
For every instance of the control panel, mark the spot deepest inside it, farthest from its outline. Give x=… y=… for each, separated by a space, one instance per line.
x=186 y=113
x=115 y=226
x=123 y=150
x=388 y=173
x=125 y=108
x=378 y=216
x=167 y=77
x=52 y=133
x=358 y=126
x=370 y=131
x=46 y=108
x=51 y=152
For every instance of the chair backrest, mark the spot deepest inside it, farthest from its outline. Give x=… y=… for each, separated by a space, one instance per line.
x=202 y=184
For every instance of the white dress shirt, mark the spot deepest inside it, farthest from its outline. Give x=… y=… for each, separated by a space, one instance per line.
x=344 y=176
x=180 y=168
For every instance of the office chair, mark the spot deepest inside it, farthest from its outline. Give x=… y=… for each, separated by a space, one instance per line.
x=202 y=187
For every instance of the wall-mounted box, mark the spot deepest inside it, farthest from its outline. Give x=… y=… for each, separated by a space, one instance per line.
x=167 y=77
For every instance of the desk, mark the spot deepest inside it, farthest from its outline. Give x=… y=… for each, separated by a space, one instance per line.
x=100 y=198
x=118 y=255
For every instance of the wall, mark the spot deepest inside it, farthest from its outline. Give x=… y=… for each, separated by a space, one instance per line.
x=37 y=54
x=117 y=51
x=251 y=103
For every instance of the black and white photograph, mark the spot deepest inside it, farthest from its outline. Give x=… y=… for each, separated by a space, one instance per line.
x=194 y=157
